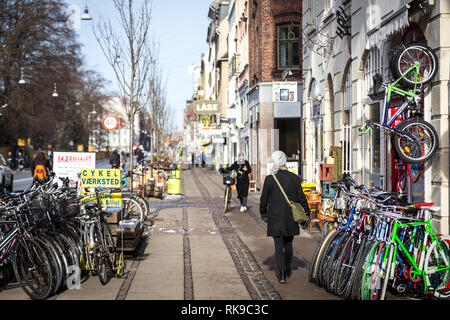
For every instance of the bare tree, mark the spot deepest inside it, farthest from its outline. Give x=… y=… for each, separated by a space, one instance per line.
x=133 y=46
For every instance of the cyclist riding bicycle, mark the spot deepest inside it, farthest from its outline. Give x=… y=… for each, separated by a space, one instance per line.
x=40 y=167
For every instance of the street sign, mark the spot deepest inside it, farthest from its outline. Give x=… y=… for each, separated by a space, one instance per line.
x=206 y=107
x=103 y=178
x=112 y=200
x=110 y=122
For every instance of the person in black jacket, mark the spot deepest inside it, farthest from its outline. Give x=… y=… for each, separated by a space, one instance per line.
x=114 y=159
x=277 y=213
x=243 y=169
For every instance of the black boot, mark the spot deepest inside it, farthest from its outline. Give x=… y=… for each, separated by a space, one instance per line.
x=282 y=276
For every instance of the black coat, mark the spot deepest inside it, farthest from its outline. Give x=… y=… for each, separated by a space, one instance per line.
x=114 y=160
x=242 y=181
x=274 y=208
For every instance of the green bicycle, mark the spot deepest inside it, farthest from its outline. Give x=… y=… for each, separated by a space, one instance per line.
x=414 y=139
x=413 y=253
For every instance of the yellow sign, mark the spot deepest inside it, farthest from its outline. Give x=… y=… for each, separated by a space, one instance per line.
x=106 y=200
x=80 y=148
x=21 y=142
x=103 y=178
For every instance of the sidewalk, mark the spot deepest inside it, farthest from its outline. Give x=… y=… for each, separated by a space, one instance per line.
x=194 y=251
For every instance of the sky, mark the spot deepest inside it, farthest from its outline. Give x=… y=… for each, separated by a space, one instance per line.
x=180 y=26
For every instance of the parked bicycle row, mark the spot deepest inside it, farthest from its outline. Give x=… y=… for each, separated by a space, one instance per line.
x=49 y=242
x=379 y=243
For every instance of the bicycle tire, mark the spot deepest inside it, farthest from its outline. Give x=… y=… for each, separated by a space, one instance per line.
x=60 y=251
x=132 y=208
x=38 y=263
x=101 y=257
x=377 y=274
x=312 y=271
x=225 y=208
x=354 y=292
x=405 y=56
x=366 y=274
x=425 y=128
x=144 y=203
x=333 y=263
x=346 y=266
x=55 y=263
x=323 y=263
x=439 y=282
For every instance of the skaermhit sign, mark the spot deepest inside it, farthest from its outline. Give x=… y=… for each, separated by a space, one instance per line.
x=206 y=107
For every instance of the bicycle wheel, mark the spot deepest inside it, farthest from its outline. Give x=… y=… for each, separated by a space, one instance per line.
x=33 y=270
x=368 y=269
x=5 y=274
x=132 y=208
x=347 y=264
x=377 y=272
x=333 y=263
x=143 y=202
x=426 y=144
x=406 y=56
x=104 y=249
x=227 y=190
x=321 y=279
x=354 y=292
x=312 y=271
x=436 y=262
x=55 y=262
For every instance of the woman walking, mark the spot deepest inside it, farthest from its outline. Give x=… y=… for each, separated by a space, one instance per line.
x=243 y=169
x=277 y=213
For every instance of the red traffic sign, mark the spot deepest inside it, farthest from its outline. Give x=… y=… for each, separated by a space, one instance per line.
x=110 y=122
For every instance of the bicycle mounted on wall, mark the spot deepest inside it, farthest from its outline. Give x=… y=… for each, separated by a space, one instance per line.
x=414 y=140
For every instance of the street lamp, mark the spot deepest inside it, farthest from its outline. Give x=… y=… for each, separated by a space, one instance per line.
x=22 y=80
x=55 y=94
x=86 y=15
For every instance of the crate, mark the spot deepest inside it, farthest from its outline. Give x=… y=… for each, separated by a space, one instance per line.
x=113 y=214
x=326 y=172
x=128 y=235
x=327 y=190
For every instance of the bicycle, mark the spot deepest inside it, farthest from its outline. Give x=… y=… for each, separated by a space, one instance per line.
x=228 y=181
x=99 y=253
x=414 y=140
x=30 y=260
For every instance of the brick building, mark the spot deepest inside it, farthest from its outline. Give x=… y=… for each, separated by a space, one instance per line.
x=275 y=82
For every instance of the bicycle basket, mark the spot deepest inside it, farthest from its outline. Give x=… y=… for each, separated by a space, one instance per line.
x=38 y=216
x=73 y=208
x=228 y=180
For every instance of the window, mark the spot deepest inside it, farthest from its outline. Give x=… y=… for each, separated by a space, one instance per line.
x=288 y=46
x=348 y=90
x=347 y=124
x=373 y=66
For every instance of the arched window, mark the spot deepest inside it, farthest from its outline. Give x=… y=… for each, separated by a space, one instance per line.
x=347 y=124
x=374 y=65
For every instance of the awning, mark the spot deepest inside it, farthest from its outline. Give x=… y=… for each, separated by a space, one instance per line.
x=393 y=23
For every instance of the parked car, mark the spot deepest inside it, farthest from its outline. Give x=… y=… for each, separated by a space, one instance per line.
x=6 y=175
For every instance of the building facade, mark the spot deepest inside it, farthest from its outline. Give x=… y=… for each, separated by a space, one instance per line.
x=346 y=44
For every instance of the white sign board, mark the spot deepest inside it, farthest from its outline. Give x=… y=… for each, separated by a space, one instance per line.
x=70 y=164
x=292 y=167
x=284 y=91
